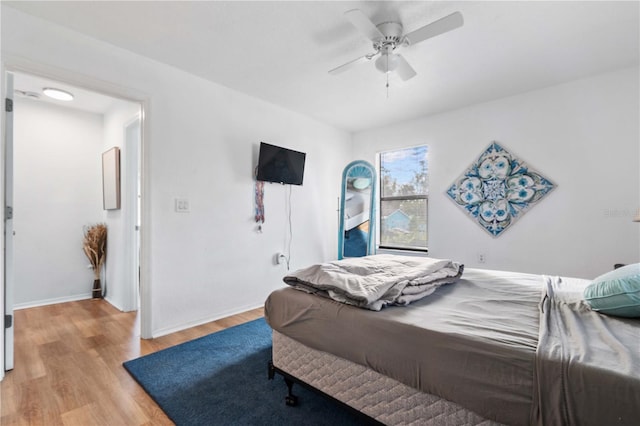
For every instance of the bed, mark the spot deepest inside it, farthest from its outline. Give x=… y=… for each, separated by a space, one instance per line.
x=491 y=348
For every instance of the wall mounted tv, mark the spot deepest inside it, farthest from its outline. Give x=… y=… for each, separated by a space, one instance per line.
x=281 y=165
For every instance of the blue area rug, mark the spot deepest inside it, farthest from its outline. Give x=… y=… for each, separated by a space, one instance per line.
x=355 y=243
x=221 y=379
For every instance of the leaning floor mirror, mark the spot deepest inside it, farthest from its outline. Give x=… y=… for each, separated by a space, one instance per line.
x=356 y=236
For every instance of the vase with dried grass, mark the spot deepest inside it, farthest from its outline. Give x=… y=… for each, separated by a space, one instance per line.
x=94 y=246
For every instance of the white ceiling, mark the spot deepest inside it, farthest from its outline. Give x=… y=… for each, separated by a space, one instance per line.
x=30 y=87
x=281 y=51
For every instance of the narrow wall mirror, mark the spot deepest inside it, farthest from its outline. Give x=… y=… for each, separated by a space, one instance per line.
x=111 y=179
x=356 y=236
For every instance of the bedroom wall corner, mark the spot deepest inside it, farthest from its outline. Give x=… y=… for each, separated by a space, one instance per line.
x=583 y=135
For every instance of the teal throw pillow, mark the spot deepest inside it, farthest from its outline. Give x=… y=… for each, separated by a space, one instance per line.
x=616 y=292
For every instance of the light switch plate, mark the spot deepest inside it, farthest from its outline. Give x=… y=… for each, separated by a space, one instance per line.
x=182 y=205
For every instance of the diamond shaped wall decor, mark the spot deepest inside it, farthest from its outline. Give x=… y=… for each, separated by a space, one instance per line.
x=498 y=188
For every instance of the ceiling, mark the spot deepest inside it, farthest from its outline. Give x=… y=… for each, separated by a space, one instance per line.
x=30 y=87
x=281 y=51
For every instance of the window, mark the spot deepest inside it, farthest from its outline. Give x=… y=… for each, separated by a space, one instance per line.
x=403 y=198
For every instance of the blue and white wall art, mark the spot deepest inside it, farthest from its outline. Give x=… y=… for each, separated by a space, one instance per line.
x=498 y=188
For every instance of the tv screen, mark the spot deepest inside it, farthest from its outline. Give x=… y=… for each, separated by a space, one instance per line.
x=282 y=165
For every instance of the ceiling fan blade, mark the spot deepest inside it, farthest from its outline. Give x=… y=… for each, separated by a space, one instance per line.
x=350 y=64
x=442 y=25
x=363 y=24
x=404 y=70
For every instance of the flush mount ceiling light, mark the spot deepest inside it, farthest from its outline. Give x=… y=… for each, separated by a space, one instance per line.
x=61 y=95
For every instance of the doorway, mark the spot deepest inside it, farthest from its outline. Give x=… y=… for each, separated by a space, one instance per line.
x=44 y=141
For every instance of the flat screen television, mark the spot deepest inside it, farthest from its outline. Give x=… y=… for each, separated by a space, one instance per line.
x=281 y=165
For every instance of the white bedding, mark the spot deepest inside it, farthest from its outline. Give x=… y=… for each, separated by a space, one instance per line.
x=375 y=281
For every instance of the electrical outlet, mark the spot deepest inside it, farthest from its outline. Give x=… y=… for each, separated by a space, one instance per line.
x=482 y=258
x=182 y=205
x=280 y=258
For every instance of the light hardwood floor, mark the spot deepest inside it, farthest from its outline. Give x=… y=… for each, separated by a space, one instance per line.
x=68 y=368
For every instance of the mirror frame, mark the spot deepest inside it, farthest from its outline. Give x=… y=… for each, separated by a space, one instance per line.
x=346 y=174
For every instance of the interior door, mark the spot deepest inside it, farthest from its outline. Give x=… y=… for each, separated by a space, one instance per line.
x=132 y=191
x=8 y=226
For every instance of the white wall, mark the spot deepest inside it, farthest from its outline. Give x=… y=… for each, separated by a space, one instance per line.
x=212 y=259
x=201 y=143
x=79 y=139
x=116 y=276
x=57 y=185
x=583 y=135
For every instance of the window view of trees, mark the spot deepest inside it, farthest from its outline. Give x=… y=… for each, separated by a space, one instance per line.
x=404 y=198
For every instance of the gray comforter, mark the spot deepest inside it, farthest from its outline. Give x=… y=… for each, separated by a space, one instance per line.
x=375 y=281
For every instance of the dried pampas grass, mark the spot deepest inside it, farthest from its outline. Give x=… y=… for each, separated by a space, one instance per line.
x=94 y=246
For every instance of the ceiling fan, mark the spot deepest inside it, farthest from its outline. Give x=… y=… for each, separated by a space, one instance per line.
x=387 y=38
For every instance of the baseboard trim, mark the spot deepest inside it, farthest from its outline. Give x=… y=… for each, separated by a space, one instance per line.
x=169 y=330
x=55 y=300
x=117 y=306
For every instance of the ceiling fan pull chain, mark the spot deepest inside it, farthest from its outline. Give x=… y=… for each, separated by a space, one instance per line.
x=387 y=85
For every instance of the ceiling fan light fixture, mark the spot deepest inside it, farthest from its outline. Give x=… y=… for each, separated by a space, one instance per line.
x=387 y=63
x=61 y=95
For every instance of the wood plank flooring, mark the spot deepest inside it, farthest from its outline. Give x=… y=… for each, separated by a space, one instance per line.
x=68 y=368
